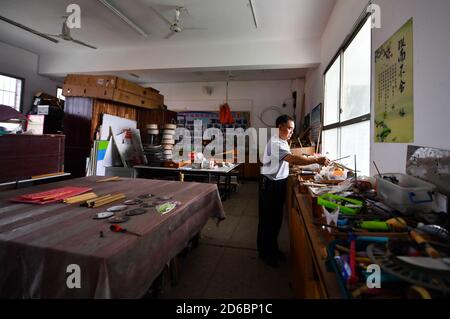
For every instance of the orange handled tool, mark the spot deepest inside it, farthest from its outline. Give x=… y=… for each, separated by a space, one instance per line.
x=422 y=242
x=117 y=229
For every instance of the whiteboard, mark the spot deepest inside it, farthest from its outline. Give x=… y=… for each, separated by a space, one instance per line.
x=118 y=124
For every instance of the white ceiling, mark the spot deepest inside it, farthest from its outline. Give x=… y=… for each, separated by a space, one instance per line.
x=226 y=22
x=174 y=76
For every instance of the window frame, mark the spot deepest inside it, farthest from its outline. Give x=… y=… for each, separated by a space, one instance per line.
x=22 y=89
x=362 y=20
x=340 y=53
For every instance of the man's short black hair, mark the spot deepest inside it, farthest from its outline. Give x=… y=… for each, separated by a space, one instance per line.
x=283 y=119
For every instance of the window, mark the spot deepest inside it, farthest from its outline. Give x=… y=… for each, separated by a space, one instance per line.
x=347 y=85
x=10 y=91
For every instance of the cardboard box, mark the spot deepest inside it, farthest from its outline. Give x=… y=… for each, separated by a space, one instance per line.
x=112 y=88
x=105 y=81
x=132 y=99
x=88 y=91
x=303 y=151
x=134 y=88
x=110 y=94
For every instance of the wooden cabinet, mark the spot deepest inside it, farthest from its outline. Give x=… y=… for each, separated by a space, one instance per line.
x=23 y=156
x=82 y=117
x=310 y=278
x=252 y=170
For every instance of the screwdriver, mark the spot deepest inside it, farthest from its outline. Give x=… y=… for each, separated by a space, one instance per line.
x=433 y=253
x=117 y=229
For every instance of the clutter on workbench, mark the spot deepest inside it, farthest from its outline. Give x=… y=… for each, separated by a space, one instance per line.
x=346 y=206
x=390 y=221
x=406 y=193
x=381 y=267
x=50 y=196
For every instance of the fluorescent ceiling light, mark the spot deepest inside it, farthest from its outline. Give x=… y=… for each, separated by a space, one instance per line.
x=253 y=13
x=123 y=17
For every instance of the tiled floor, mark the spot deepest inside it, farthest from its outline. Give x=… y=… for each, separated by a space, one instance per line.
x=225 y=264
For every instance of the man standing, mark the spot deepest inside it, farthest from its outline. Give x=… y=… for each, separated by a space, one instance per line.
x=272 y=188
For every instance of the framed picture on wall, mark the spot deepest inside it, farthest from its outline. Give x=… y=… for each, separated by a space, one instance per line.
x=316 y=122
x=316 y=114
x=306 y=121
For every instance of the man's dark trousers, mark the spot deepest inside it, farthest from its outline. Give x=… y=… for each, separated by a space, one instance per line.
x=272 y=196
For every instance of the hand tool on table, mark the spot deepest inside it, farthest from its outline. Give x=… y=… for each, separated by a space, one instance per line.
x=379 y=173
x=339 y=228
x=424 y=244
x=117 y=229
x=103 y=200
x=374 y=225
x=418 y=238
x=80 y=198
x=338 y=159
x=109 y=179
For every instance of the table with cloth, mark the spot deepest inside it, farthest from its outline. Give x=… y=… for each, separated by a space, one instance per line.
x=39 y=242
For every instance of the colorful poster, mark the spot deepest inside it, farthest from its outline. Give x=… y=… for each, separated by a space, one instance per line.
x=102 y=146
x=394 y=103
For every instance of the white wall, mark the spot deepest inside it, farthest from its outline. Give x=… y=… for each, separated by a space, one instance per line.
x=431 y=69
x=340 y=24
x=24 y=64
x=431 y=74
x=252 y=96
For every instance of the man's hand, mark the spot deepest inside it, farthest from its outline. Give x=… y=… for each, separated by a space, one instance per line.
x=323 y=161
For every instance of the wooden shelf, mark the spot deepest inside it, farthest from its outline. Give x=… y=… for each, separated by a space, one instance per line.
x=309 y=274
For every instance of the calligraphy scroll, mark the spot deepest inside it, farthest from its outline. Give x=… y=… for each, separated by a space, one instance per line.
x=394 y=104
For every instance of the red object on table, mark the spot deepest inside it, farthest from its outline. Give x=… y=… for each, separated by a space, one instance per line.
x=353 y=278
x=50 y=196
x=117 y=229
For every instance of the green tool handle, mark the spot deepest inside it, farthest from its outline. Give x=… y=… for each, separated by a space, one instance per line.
x=374 y=226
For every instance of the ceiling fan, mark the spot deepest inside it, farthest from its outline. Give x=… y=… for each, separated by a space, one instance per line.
x=24 y=27
x=174 y=26
x=65 y=35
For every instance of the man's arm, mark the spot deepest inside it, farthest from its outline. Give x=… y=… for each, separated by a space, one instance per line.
x=302 y=160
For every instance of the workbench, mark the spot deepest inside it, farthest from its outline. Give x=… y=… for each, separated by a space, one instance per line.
x=39 y=242
x=310 y=276
x=144 y=171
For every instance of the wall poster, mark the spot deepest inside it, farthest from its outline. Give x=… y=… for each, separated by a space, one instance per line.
x=394 y=103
